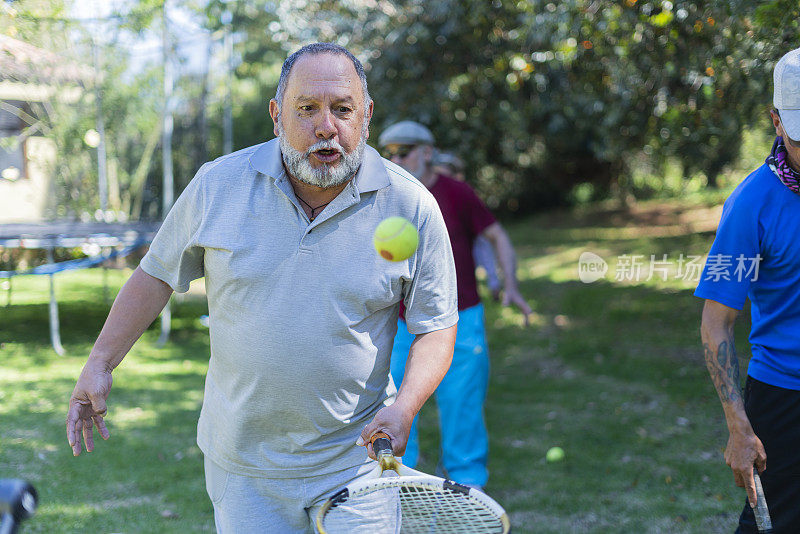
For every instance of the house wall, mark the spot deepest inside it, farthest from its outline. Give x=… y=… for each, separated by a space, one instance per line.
x=31 y=75
x=30 y=198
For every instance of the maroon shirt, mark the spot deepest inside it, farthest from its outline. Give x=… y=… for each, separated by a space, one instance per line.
x=466 y=216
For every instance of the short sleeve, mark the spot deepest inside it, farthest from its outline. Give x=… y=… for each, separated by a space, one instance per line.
x=736 y=246
x=431 y=300
x=174 y=256
x=478 y=217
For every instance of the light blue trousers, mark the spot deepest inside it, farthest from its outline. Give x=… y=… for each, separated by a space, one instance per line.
x=460 y=398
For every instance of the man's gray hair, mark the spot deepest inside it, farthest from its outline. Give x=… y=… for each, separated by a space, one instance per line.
x=314 y=49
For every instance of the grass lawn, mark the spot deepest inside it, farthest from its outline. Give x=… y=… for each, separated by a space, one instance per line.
x=612 y=371
x=149 y=476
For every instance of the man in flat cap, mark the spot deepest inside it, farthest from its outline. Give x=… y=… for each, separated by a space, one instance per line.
x=460 y=396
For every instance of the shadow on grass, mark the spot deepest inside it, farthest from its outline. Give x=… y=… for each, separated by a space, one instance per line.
x=80 y=323
x=150 y=465
x=614 y=375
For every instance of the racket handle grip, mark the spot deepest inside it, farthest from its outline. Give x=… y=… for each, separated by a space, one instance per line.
x=382 y=447
x=763 y=520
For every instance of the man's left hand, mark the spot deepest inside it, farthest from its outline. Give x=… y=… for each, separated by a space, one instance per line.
x=513 y=296
x=395 y=422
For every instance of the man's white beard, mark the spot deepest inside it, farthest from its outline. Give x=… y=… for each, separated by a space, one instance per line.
x=299 y=165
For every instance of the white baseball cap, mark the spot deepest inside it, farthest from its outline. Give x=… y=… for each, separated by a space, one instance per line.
x=449 y=160
x=786 y=97
x=406 y=133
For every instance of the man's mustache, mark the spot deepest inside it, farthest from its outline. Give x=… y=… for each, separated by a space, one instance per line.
x=325 y=145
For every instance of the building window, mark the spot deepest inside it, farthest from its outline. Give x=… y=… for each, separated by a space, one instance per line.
x=12 y=142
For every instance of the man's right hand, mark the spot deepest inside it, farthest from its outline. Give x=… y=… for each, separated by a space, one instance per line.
x=745 y=450
x=395 y=422
x=87 y=406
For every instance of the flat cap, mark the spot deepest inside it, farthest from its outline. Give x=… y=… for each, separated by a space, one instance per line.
x=406 y=133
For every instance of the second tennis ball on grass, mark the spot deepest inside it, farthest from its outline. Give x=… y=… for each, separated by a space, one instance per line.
x=395 y=239
x=554 y=454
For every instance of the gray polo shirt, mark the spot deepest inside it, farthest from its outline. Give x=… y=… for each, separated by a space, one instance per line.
x=302 y=315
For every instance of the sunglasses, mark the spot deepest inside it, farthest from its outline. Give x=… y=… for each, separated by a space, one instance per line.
x=400 y=151
x=788 y=140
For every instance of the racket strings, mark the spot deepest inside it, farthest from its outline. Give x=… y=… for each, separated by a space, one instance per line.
x=412 y=508
x=449 y=511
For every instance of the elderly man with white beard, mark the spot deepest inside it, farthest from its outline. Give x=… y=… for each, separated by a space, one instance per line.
x=302 y=310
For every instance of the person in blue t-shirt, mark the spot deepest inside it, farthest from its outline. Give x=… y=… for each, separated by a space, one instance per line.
x=756 y=255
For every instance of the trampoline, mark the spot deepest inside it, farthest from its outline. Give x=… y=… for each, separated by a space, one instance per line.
x=113 y=240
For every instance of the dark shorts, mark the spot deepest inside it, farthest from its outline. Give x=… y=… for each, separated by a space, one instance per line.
x=775 y=415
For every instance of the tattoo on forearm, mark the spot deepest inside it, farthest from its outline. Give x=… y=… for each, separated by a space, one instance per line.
x=723 y=365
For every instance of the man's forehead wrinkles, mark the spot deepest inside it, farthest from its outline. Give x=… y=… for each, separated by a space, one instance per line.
x=329 y=84
x=329 y=92
x=321 y=78
x=325 y=66
x=325 y=70
x=324 y=96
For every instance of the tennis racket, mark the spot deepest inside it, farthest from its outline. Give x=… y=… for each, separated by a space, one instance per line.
x=763 y=520
x=395 y=499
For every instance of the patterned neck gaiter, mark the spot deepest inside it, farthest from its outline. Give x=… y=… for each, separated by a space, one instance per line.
x=778 y=161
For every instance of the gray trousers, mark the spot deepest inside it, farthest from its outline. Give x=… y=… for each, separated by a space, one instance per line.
x=244 y=504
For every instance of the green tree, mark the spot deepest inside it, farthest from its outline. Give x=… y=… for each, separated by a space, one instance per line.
x=131 y=106
x=540 y=95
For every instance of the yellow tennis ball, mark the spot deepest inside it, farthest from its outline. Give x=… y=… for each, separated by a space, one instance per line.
x=555 y=454
x=395 y=239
